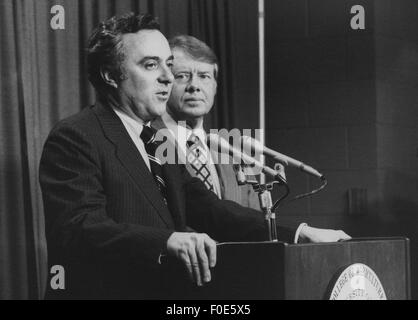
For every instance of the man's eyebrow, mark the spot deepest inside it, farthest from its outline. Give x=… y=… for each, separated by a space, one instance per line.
x=157 y=58
x=149 y=58
x=182 y=70
x=211 y=73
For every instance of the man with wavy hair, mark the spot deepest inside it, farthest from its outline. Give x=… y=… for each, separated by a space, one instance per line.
x=112 y=209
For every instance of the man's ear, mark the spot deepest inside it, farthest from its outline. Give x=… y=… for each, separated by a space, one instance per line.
x=108 y=78
x=215 y=74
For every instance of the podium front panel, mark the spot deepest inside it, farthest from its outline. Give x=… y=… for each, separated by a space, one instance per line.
x=277 y=270
x=312 y=269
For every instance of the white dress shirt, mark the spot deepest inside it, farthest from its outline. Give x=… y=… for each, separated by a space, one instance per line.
x=134 y=128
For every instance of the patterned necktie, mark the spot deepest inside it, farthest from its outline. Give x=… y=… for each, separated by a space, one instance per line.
x=148 y=137
x=197 y=158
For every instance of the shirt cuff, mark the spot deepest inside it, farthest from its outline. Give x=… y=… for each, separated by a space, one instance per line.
x=299 y=229
x=161 y=257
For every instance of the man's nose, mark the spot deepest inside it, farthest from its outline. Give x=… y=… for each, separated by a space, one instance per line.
x=166 y=75
x=193 y=85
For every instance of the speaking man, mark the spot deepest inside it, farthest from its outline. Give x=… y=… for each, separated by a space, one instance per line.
x=112 y=209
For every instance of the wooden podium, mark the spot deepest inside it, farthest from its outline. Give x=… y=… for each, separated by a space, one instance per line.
x=277 y=270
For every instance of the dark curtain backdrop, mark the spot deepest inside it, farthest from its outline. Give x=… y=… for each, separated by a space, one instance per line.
x=43 y=80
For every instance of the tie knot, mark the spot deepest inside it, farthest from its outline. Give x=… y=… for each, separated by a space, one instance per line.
x=193 y=139
x=148 y=135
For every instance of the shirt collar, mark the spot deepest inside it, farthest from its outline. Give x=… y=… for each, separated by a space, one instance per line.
x=199 y=132
x=181 y=130
x=135 y=125
x=177 y=130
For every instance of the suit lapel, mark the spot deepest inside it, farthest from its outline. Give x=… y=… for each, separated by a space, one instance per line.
x=131 y=159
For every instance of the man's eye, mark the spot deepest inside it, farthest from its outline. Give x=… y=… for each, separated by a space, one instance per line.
x=205 y=76
x=151 y=65
x=182 y=76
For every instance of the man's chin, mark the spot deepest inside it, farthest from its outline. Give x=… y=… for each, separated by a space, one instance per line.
x=195 y=111
x=160 y=109
x=198 y=104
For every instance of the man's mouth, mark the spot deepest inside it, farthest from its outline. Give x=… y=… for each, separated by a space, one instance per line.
x=193 y=99
x=163 y=94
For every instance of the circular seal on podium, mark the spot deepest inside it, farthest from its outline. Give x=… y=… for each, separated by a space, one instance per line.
x=357 y=282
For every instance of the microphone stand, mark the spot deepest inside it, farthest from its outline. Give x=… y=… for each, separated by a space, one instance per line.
x=264 y=196
x=266 y=204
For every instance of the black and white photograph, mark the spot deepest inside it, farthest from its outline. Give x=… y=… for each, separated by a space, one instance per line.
x=216 y=151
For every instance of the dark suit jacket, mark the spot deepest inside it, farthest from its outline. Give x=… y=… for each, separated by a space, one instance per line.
x=106 y=221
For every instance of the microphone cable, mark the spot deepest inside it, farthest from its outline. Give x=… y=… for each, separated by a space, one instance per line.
x=278 y=204
x=287 y=191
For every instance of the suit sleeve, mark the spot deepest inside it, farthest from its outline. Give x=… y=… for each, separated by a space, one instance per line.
x=77 y=222
x=226 y=220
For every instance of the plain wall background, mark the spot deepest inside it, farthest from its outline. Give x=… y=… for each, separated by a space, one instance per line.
x=346 y=102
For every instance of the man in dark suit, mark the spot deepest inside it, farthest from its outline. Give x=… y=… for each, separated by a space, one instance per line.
x=112 y=211
x=195 y=69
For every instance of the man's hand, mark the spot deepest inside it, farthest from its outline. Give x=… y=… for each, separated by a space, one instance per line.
x=322 y=235
x=197 y=251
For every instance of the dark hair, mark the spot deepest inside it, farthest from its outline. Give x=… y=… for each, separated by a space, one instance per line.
x=195 y=48
x=105 y=50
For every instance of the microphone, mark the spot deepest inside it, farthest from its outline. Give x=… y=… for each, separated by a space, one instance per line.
x=219 y=142
x=252 y=144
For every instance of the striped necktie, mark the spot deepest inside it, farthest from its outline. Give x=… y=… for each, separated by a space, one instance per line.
x=151 y=145
x=197 y=158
